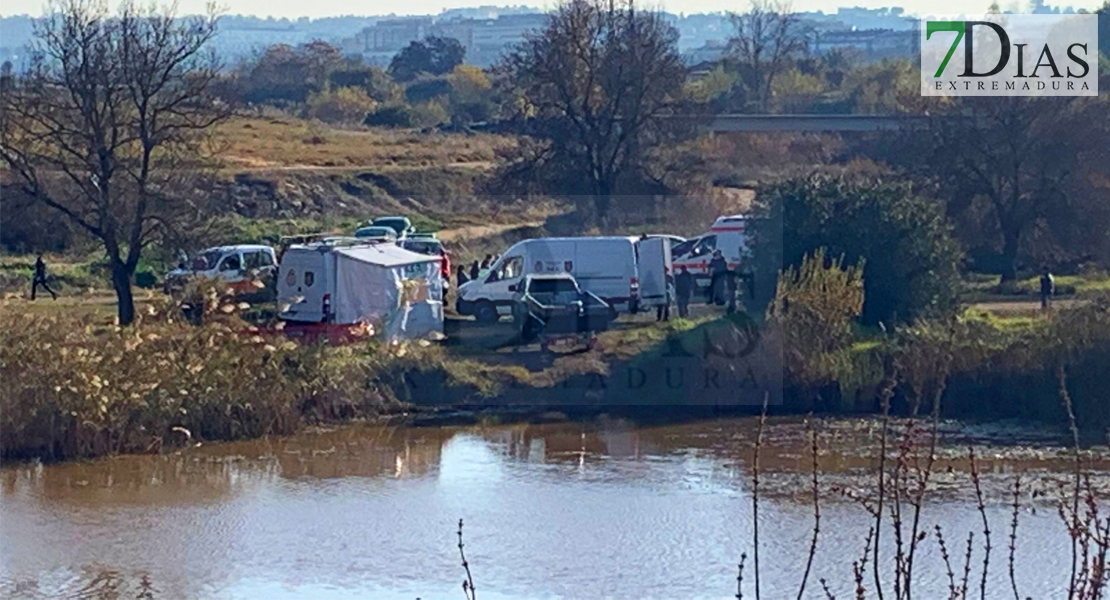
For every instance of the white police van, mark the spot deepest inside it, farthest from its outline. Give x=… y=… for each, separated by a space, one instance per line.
x=627 y=272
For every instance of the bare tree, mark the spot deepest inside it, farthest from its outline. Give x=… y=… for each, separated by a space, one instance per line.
x=766 y=38
x=595 y=84
x=107 y=126
x=1034 y=162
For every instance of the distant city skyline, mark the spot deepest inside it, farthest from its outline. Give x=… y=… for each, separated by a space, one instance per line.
x=292 y=9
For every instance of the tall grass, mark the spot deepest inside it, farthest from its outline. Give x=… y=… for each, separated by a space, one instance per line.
x=995 y=369
x=1012 y=372
x=72 y=388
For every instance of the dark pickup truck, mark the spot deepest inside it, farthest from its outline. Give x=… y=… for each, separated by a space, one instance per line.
x=554 y=305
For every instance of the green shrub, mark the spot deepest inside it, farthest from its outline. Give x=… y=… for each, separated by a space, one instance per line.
x=427 y=88
x=146 y=279
x=430 y=114
x=911 y=257
x=471 y=98
x=343 y=105
x=394 y=115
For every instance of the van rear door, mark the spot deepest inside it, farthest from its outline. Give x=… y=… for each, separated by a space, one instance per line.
x=653 y=265
x=302 y=285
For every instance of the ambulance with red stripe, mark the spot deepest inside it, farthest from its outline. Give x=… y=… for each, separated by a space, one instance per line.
x=730 y=235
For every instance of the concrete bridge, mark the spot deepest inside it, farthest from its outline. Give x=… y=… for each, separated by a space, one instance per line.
x=814 y=123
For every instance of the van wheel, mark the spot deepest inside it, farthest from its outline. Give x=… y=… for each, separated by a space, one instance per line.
x=486 y=312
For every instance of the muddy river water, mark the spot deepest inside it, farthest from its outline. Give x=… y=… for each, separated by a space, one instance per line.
x=598 y=509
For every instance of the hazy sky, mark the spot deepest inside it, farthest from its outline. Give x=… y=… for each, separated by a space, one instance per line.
x=324 y=8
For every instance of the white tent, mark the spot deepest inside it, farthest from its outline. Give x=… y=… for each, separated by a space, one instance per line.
x=398 y=291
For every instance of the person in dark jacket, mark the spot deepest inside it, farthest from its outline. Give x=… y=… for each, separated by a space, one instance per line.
x=460 y=275
x=1048 y=288
x=40 y=278
x=718 y=271
x=474 y=270
x=683 y=290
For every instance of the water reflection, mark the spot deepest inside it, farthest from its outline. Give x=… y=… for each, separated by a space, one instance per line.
x=558 y=510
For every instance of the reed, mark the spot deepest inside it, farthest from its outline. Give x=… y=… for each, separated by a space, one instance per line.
x=75 y=389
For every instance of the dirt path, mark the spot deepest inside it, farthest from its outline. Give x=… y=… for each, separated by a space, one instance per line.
x=250 y=166
x=469 y=232
x=99 y=305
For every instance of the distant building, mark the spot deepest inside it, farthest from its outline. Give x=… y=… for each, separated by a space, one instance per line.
x=893 y=18
x=873 y=43
x=484 y=39
x=380 y=41
x=488 y=31
x=711 y=51
x=876 y=32
x=490 y=38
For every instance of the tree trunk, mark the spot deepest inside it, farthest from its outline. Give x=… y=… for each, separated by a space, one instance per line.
x=125 y=302
x=1011 y=241
x=601 y=204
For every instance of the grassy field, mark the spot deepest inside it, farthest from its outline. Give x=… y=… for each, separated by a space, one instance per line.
x=278 y=143
x=983 y=287
x=70 y=275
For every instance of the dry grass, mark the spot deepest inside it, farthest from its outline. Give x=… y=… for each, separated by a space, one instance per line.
x=74 y=387
x=247 y=143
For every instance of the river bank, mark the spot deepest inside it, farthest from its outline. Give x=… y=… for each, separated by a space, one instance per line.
x=77 y=389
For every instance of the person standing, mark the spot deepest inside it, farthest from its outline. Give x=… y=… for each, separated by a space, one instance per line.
x=663 y=312
x=474 y=270
x=718 y=271
x=460 y=275
x=730 y=290
x=1048 y=288
x=40 y=278
x=683 y=289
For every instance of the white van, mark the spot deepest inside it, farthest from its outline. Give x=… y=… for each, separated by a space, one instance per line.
x=343 y=283
x=627 y=272
x=730 y=235
x=240 y=266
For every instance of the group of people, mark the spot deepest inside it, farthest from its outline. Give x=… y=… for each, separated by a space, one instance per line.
x=476 y=268
x=681 y=286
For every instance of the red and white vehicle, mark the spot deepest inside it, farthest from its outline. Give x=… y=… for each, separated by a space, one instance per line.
x=730 y=235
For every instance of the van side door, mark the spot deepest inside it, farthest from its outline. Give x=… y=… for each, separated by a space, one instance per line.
x=653 y=268
x=230 y=267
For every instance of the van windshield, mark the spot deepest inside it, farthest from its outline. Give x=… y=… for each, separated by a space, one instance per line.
x=683 y=247
x=397 y=224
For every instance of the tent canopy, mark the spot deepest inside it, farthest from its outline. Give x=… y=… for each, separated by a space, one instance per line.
x=386 y=255
x=397 y=290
